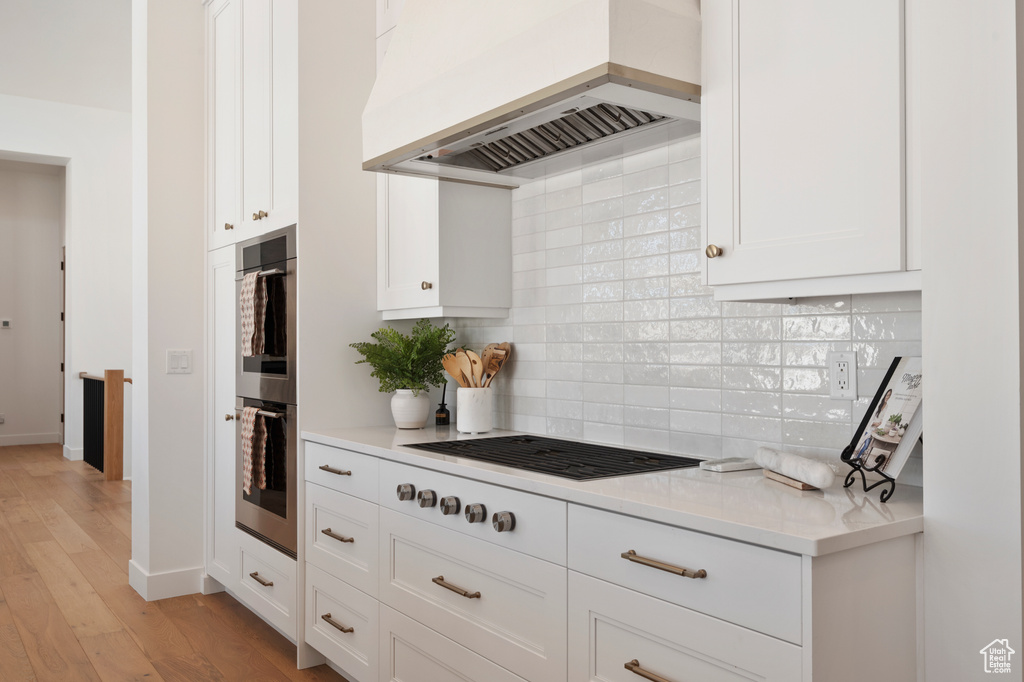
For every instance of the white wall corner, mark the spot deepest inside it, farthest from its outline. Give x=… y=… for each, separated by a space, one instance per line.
x=154 y=586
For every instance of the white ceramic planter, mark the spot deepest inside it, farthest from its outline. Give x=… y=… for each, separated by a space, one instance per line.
x=410 y=411
x=473 y=410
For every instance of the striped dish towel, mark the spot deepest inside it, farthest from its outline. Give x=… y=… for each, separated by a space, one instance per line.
x=254 y=447
x=253 y=309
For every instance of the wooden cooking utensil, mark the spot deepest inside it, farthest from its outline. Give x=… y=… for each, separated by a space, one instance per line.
x=485 y=356
x=451 y=365
x=477 y=367
x=466 y=366
x=498 y=359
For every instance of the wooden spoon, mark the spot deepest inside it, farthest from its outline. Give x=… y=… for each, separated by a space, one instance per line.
x=451 y=365
x=466 y=366
x=478 y=368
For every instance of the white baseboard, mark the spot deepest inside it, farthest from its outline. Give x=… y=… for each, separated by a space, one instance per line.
x=210 y=585
x=29 y=439
x=154 y=586
x=74 y=454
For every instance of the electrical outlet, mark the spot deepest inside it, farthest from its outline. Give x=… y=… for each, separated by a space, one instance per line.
x=842 y=376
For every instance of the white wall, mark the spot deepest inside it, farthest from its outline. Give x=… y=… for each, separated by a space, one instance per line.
x=95 y=145
x=618 y=341
x=337 y=209
x=30 y=281
x=70 y=51
x=971 y=180
x=168 y=273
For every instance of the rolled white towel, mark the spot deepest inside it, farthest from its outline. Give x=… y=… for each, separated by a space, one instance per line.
x=809 y=471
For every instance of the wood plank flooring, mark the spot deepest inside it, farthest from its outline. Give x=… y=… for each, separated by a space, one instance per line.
x=67 y=611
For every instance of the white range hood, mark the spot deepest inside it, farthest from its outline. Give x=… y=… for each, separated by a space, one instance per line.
x=499 y=92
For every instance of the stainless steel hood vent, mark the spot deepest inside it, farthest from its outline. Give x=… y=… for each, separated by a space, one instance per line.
x=561 y=84
x=577 y=127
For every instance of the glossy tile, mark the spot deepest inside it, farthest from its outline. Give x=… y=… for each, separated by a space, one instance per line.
x=620 y=341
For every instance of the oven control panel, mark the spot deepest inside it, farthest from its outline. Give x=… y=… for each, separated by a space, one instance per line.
x=528 y=523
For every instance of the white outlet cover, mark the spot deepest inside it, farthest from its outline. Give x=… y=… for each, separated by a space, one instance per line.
x=836 y=390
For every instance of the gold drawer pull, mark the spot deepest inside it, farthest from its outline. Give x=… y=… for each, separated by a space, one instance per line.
x=678 y=570
x=336 y=472
x=340 y=538
x=336 y=624
x=634 y=667
x=255 y=575
x=439 y=580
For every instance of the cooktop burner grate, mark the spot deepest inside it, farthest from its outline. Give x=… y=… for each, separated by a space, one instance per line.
x=568 y=459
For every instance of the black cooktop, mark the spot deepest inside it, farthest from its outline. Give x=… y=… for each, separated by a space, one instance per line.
x=568 y=459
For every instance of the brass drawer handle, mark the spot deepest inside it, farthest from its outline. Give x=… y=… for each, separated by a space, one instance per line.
x=634 y=667
x=439 y=580
x=255 y=575
x=340 y=538
x=228 y=226
x=678 y=570
x=336 y=472
x=336 y=624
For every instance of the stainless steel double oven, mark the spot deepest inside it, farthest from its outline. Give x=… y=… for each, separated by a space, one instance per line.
x=268 y=381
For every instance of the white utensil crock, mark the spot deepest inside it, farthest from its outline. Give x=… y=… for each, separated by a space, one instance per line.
x=473 y=410
x=410 y=411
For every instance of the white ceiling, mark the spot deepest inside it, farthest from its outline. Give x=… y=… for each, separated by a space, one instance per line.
x=71 y=51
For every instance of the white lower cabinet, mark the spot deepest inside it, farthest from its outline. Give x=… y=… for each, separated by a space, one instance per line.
x=341 y=536
x=342 y=624
x=618 y=635
x=266 y=583
x=411 y=652
x=507 y=606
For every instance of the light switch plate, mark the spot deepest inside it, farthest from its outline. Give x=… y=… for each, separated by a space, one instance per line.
x=179 y=362
x=5 y=324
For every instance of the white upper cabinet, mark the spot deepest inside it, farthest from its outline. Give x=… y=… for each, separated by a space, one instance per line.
x=253 y=55
x=444 y=249
x=805 y=147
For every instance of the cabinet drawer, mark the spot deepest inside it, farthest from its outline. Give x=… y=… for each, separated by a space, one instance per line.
x=518 y=618
x=331 y=515
x=751 y=586
x=342 y=470
x=346 y=607
x=611 y=626
x=410 y=651
x=275 y=602
x=539 y=521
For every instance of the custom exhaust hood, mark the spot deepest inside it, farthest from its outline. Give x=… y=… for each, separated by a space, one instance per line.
x=501 y=92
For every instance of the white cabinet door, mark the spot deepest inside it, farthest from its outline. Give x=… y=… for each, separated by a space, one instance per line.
x=269 y=115
x=222 y=549
x=804 y=138
x=407 y=242
x=224 y=64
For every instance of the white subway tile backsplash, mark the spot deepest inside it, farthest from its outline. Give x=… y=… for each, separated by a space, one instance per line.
x=619 y=340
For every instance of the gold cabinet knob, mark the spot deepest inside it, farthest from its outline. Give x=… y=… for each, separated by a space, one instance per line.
x=228 y=226
x=713 y=251
x=426 y=285
x=255 y=216
x=229 y=417
x=263 y=214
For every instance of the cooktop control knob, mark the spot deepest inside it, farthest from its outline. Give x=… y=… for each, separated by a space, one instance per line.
x=426 y=498
x=503 y=521
x=450 y=505
x=476 y=513
x=406 y=491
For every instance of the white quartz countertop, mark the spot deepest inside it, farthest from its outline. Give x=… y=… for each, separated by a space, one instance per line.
x=741 y=505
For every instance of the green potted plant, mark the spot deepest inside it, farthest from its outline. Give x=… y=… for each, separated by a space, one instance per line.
x=407 y=365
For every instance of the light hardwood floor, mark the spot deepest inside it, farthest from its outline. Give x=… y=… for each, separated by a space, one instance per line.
x=67 y=611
